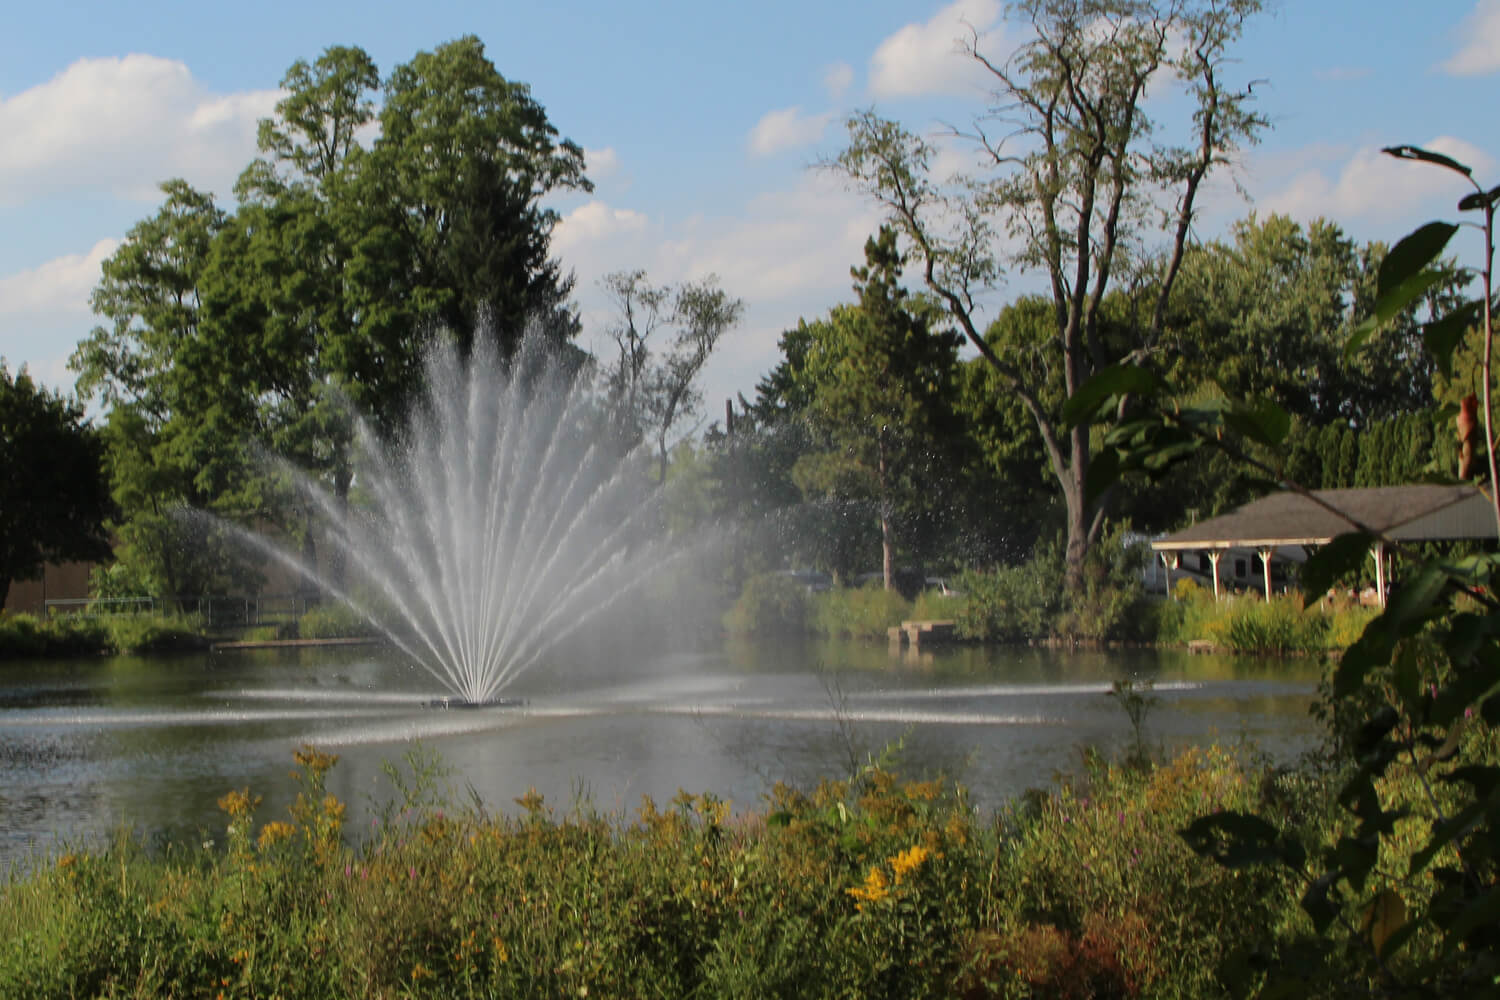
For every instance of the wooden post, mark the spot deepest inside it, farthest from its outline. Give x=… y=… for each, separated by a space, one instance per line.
x=1265 y=562
x=1380 y=584
x=1167 y=559
x=1213 y=560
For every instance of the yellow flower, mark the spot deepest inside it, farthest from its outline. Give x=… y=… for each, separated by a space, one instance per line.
x=908 y=861
x=873 y=891
x=274 y=833
x=238 y=803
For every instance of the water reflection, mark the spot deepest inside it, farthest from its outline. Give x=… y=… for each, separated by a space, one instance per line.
x=90 y=746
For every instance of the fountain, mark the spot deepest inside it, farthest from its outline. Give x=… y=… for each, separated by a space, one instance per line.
x=499 y=522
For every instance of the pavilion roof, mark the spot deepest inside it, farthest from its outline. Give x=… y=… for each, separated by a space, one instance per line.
x=1407 y=513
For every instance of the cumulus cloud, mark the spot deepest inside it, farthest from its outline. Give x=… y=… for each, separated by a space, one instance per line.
x=121 y=126
x=838 y=78
x=1480 y=52
x=601 y=163
x=787 y=128
x=1368 y=184
x=592 y=222
x=59 y=286
x=787 y=253
x=925 y=59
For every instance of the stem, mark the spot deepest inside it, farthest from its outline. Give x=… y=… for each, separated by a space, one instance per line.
x=1489 y=340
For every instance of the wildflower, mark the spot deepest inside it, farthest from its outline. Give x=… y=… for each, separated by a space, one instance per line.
x=873 y=891
x=274 y=833
x=908 y=861
x=238 y=803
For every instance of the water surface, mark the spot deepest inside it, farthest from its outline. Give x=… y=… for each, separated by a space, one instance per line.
x=88 y=747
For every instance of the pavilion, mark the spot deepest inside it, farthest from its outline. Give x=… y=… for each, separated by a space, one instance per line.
x=1290 y=523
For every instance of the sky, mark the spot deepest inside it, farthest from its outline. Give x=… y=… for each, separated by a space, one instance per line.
x=703 y=125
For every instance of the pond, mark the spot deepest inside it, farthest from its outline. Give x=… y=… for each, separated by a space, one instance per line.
x=88 y=747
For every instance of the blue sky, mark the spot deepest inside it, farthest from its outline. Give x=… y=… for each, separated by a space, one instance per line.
x=700 y=120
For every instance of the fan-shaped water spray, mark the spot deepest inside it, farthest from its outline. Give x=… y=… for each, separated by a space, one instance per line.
x=502 y=520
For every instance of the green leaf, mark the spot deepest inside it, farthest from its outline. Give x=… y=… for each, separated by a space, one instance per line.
x=1415 y=251
x=1116 y=380
x=1344 y=555
x=1233 y=839
x=1318 y=906
x=1442 y=336
x=1478 y=200
x=1104 y=470
x=1261 y=420
x=1428 y=156
x=1389 y=305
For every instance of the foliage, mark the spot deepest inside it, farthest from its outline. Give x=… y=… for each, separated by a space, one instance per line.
x=331 y=621
x=54 y=496
x=770 y=604
x=875 y=886
x=1078 y=178
x=78 y=635
x=858 y=612
x=650 y=387
x=229 y=334
x=1412 y=879
x=23 y=636
x=1027 y=603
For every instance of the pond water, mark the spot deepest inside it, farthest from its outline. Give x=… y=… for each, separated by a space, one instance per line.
x=89 y=747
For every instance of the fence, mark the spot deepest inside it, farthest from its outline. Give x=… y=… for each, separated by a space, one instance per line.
x=216 y=611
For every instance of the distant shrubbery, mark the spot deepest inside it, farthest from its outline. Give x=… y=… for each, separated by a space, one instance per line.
x=1028 y=603
x=333 y=620
x=78 y=635
x=1247 y=623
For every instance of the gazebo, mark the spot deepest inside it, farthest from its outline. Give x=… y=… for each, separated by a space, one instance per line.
x=1289 y=520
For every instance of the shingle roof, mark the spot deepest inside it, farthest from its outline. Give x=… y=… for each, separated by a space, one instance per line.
x=1411 y=513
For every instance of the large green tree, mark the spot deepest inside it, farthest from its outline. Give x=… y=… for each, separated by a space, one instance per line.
x=232 y=333
x=879 y=382
x=1079 y=170
x=54 y=496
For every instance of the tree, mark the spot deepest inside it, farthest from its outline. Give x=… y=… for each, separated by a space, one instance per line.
x=879 y=381
x=652 y=388
x=1079 y=175
x=54 y=497
x=229 y=334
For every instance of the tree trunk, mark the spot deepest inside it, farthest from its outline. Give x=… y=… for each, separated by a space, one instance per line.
x=5 y=592
x=887 y=533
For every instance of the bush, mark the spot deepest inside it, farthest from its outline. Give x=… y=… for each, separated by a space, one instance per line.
x=869 y=887
x=331 y=621
x=860 y=612
x=23 y=635
x=153 y=633
x=770 y=604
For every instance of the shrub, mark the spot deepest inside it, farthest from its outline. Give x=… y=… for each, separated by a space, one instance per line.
x=23 y=635
x=770 y=604
x=331 y=621
x=860 y=612
x=153 y=633
x=1010 y=604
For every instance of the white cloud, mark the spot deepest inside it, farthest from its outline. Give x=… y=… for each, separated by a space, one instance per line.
x=601 y=163
x=1370 y=185
x=123 y=125
x=838 y=78
x=592 y=222
x=59 y=286
x=787 y=253
x=787 y=128
x=1480 y=52
x=925 y=59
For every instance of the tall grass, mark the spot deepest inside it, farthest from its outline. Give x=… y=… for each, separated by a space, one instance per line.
x=871 y=887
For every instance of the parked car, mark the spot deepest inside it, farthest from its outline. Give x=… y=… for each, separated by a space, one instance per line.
x=816 y=581
x=941 y=585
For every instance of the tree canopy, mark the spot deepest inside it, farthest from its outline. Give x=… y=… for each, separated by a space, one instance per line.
x=54 y=497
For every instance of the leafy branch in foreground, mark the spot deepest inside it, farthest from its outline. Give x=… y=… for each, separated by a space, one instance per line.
x=1415 y=876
